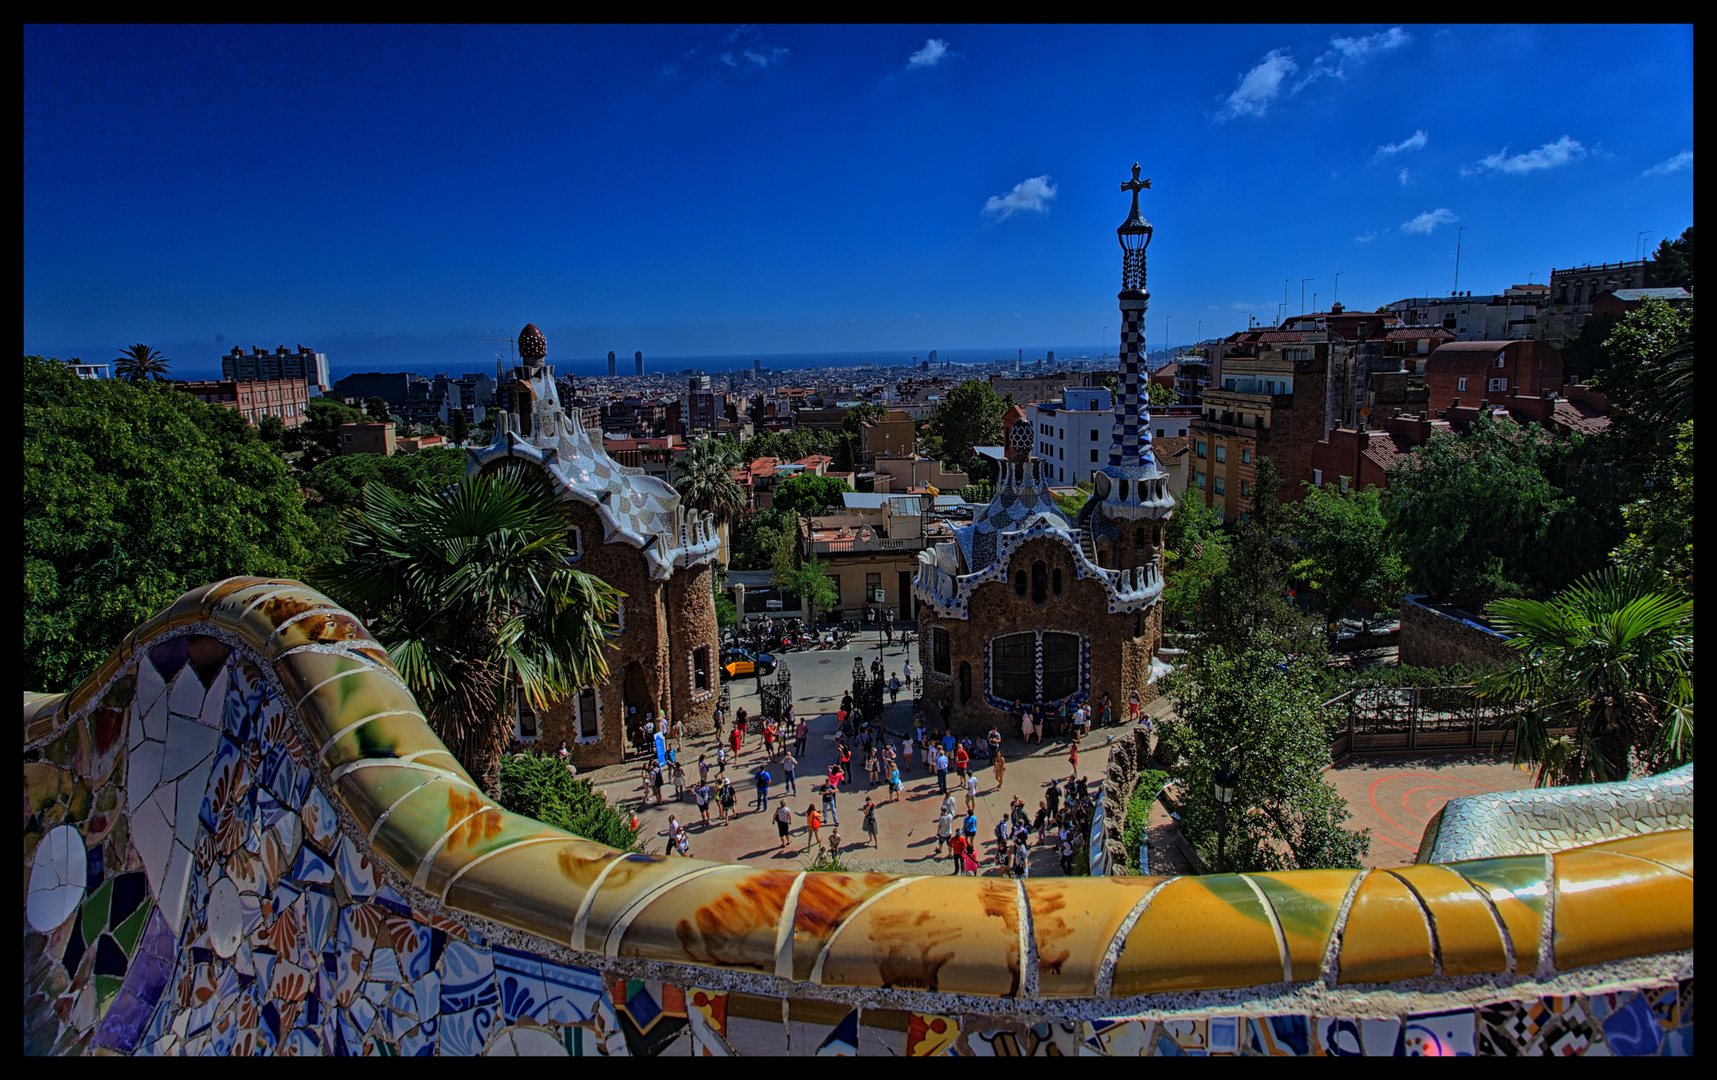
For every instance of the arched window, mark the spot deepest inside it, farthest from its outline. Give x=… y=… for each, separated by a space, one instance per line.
x=939 y=650
x=1123 y=491
x=1138 y=625
x=1013 y=663
x=1036 y=667
x=1039 y=581
x=1060 y=665
x=1139 y=539
x=965 y=681
x=1055 y=581
x=1019 y=583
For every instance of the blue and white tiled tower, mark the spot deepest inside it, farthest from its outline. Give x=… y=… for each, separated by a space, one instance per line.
x=1132 y=486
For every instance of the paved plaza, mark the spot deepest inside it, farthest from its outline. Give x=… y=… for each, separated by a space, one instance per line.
x=1392 y=795
x=906 y=829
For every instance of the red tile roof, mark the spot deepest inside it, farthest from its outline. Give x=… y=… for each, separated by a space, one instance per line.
x=1382 y=449
x=1579 y=417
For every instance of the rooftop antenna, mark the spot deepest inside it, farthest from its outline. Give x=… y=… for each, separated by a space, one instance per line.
x=1458 y=233
x=1639 y=245
x=1337 y=295
x=510 y=353
x=1303 y=293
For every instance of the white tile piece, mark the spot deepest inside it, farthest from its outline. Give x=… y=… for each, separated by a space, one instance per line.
x=56 y=879
x=142 y=773
x=189 y=744
x=186 y=696
x=173 y=885
x=155 y=719
x=226 y=917
x=152 y=834
x=215 y=703
x=149 y=689
x=189 y=797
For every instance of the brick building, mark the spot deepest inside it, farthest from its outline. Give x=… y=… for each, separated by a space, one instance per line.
x=369 y=437
x=632 y=531
x=1026 y=609
x=255 y=398
x=1466 y=373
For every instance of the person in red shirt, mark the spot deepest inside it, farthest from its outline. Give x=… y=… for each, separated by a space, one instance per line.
x=961 y=760
x=957 y=848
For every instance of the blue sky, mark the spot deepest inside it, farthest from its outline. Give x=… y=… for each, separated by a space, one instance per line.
x=388 y=194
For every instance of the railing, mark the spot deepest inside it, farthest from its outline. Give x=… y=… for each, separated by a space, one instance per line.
x=1416 y=718
x=876 y=543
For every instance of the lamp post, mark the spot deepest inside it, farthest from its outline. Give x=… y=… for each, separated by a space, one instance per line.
x=1224 y=783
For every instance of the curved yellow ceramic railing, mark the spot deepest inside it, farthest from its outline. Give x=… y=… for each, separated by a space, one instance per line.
x=1038 y=939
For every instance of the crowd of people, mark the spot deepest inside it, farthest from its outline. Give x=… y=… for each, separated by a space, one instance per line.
x=864 y=750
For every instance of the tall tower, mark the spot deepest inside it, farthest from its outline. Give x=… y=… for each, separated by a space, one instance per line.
x=638 y=361
x=610 y=363
x=1134 y=487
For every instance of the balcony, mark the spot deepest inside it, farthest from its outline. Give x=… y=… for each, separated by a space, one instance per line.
x=847 y=545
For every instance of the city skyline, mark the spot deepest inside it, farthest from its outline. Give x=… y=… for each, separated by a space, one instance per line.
x=398 y=194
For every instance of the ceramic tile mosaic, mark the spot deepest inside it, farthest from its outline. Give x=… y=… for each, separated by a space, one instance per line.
x=192 y=887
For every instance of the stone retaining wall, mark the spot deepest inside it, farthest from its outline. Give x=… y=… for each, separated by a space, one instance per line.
x=1430 y=638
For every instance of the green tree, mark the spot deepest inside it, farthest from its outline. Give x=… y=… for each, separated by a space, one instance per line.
x=1675 y=259
x=811 y=583
x=707 y=483
x=1584 y=355
x=460 y=427
x=1471 y=511
x=808 y=494
x=540 y=787
x=1247 y=606
x=1609 y=659
x=970 y=416
x=470 y=591
x=1160 y=396
x=1346 y=551
x=854 y=420
x=319 y=435
x=977 y=494
x=376 y=408
x=1196 y=554
x=1660 y=524
x=271 y=429
x=140 y=363
x=1257 y=713
x=135 y=493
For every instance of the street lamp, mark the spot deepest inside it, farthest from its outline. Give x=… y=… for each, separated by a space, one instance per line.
x=1224 y=783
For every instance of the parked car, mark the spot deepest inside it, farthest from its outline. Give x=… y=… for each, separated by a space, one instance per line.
x=746 y=662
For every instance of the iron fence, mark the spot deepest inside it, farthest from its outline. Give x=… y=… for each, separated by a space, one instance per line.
x=1405 y=718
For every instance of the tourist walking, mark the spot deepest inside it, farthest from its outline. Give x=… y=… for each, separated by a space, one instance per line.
x=829 y=804
x=870 y=823
x=701 y=794
x=893 y=689
x=789 y=768
x=944 y=831
x=999 y=767
x=800 y=734
x=872 y=767
x=783 y=822
x=703 y=769
x=941 y=774
x=725 y=799
x=957 y=848
x=656 y=781
x=971 y=792
x=721 y=759
x=1067 y=855
x=763 y=779
x=907 y=669
x=894 y=785
x=813 y=826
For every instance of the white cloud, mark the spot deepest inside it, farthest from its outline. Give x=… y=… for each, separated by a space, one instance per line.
x=1415 y=141
x=1366 y=238
x=1031 y=194
x=1683 y=160
x=727 y=58
x=1362 y=48
x=935 y=50
x=1428 y=221
x=1563 y=151
x=1402 y=175
x=1259 y=86
x=764 y=59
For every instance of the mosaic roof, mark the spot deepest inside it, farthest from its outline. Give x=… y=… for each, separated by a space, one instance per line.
x=635 y=508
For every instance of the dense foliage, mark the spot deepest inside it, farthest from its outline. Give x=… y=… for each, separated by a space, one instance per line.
x=1257 y=713
x=540 y=787
x=1345 y=550
x=135 y=493
x=1611 y=660
x=1195 y=553
x=1147 y=786
x=1248 y=606
x=334 y=489
x=470 y=590
x=970 y=416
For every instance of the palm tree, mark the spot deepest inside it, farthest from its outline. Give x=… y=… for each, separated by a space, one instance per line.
x=140 y=363
x=708 y=484
x=1610 y=661
x=470 y=590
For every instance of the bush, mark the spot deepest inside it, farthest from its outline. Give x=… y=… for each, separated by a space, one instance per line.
x=1139 y=814
x=539 y=787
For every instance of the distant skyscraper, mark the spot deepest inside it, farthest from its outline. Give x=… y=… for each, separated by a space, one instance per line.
x=757 y=365
x=1022 y=356
x=1052 y=356
x=638 y=360
x=610 y=363
x=932 y=357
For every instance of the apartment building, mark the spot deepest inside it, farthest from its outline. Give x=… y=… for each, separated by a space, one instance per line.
x=254 y=398
x=1072 y=438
